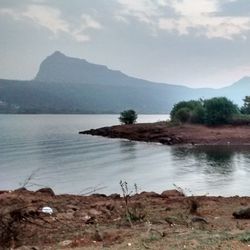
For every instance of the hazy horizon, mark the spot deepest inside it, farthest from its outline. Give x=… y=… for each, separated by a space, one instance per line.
x=201 y=44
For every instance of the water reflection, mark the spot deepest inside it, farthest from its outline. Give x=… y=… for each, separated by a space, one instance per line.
x=219 y=159
x=128 y=150
x=213 y=159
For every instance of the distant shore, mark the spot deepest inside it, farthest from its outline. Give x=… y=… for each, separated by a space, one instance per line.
x=167 y=134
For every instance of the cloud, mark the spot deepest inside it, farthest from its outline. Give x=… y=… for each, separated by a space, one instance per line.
x=202 y=18
x=143 y=10
x=188 y=17
x=89 y=22
x=194 y=8
x=10 y=12
x=51 y=19
x=47 y=17
x=215 y=27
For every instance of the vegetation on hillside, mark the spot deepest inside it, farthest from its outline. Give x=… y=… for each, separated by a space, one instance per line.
x=214 y=111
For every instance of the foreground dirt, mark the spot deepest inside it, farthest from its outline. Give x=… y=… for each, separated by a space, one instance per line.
x=142 y=221
x=184 y=134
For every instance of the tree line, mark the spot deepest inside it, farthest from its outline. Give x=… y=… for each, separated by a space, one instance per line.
x=214 y=111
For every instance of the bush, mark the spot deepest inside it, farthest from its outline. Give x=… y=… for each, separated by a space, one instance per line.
x=240 y=119
x=245 y=109
x=183 y=114
x=188 y=111
x=219 y=110
x=215 y=111
x=128 y=117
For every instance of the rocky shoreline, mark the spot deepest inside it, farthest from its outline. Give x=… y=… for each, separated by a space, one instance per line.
x=165 y=133
x=170 y=220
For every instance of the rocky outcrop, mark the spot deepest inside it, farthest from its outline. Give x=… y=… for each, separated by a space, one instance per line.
x=139 y=132
x=167 y=134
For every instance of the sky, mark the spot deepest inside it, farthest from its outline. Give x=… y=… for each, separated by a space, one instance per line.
x=197 y=43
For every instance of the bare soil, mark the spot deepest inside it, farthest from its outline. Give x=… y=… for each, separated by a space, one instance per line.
x=165 y=133
x=142 y=221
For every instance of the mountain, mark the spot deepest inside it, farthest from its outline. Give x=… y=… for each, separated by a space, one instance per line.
x=69 y=85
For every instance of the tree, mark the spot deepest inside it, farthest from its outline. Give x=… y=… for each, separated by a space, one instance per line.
x=128 y=117
x=188 y=111
x=219 y=110
x=245 y=109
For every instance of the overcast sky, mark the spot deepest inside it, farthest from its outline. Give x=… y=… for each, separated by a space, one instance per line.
x=192 y=42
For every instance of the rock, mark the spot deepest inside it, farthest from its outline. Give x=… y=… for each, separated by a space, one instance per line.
x=115 y=196
x=80 y=214
x=48 y=191
x=65 y=243
x=172 y=193
x=166 y=140
x=27 y=248
x=94 y=212
x=21 y=189
x=150 y=194
x=99 y=195
x=110 y=206
x=199 y=219
x=242 y=213
x=72 y=208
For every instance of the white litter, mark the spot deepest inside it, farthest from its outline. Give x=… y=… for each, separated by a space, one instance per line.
x=47 y=210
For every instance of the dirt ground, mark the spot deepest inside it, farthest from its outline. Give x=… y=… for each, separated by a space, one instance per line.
x=141 y=221
x=165 y=133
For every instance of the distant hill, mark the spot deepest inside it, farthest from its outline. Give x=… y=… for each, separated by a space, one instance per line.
x=70 y=85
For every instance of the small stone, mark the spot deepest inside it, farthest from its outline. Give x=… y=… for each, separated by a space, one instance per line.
x=65 y=243
x=94 y=212
x=199 y=219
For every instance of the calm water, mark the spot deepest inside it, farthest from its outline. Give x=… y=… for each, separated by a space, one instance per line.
x=49 y=147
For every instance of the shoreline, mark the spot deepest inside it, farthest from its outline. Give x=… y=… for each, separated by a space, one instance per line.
x=186 y=134
x=168 y=220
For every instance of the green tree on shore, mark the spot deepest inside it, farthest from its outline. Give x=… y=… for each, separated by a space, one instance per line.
x=245 y=109
x=219 y=110
x=128 y=116
x=214 y=111
x=188 y=111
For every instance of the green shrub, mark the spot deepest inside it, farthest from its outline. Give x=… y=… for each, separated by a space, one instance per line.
x=219 y=110
x=198 y=114
x=214 y=111
x=245 y=109
x=188 y=111
x=183 y=114
x=128 y=117
x=240 y=119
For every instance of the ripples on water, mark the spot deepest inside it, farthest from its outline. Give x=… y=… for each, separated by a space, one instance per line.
x=49 y=146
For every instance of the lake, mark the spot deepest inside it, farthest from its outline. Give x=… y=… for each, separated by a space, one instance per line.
x=46 y=150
